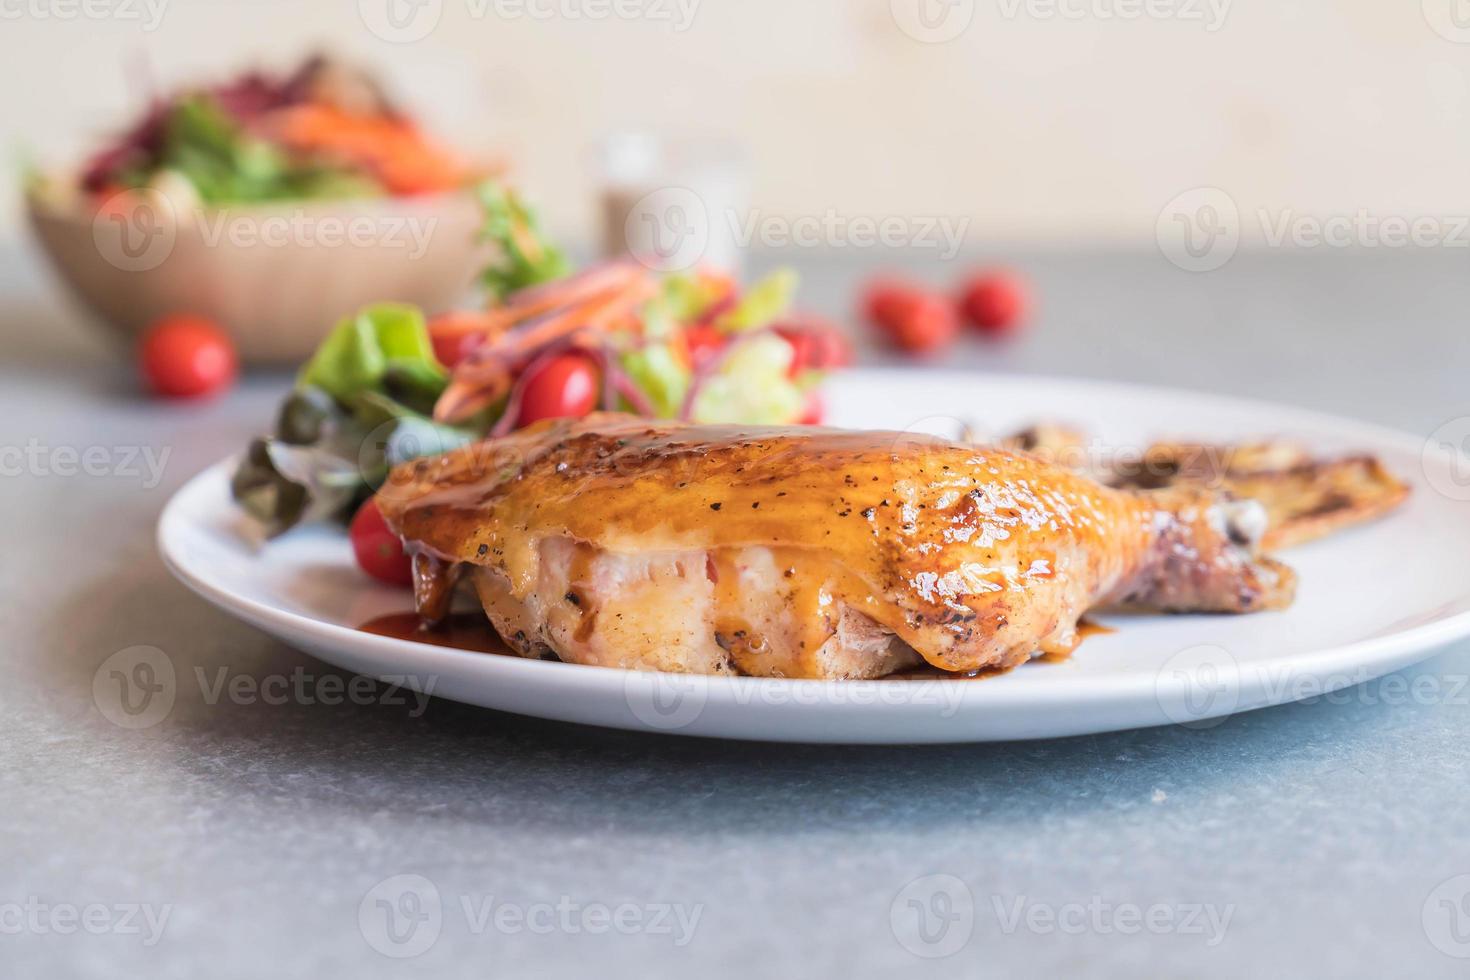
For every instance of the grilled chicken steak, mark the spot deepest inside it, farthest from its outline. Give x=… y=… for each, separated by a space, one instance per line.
x=804 y=552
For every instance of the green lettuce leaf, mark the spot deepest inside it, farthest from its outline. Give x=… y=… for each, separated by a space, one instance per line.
x=686 y=296
x=751 y=386
x=227 y=165
x=388 y=342
x=660 y=375
x=762 y=303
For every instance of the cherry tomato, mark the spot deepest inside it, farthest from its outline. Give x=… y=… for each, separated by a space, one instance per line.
x=803 y=350
x=454 y=336
x=996 y=302
x=704 y=342
x=379 y=551
x=185 y=356
x=918 y=322
x=450 y=349
x=883 y=296
x=816 y=343
x=564 y=387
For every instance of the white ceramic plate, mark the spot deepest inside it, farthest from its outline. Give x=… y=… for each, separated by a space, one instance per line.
x=1371 y=599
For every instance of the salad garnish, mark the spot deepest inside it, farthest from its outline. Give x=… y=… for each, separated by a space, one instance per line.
x=322 y=131
x=388 y=384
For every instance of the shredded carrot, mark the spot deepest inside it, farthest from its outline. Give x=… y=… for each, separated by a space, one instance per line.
x=484 y=377
x=600 y=312
x=394 y=150
x=461 y=323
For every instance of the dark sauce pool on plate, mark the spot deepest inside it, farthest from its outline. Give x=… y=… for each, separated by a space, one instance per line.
x=461 y=630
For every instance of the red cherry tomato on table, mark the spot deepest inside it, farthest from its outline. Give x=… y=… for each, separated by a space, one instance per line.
x=995 y=302
x=379 y=551
x=883 y=296
x=564 y=387
x=916 y=321
x=186 y=356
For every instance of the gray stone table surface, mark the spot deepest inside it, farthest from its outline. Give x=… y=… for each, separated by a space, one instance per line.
x=243 y=839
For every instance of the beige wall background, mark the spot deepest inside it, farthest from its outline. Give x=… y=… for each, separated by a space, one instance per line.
x=1051 y=120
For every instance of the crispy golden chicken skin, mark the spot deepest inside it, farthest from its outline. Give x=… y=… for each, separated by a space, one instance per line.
x=803 y=552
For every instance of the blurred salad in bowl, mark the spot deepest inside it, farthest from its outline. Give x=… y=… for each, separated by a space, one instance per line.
x=324 y=130
x=267 y=204
x=389 y=384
